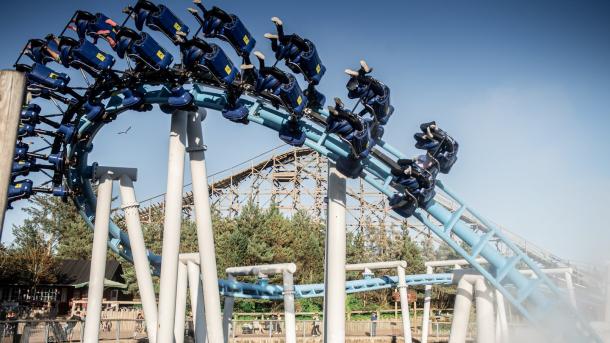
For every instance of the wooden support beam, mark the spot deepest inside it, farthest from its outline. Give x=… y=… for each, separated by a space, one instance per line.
x=12 y=92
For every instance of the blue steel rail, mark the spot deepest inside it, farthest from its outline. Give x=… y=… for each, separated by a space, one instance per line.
x=534 y=298
x=275 y=292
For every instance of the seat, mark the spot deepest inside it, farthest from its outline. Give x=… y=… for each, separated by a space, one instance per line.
x=282 y=88
x=30 y=113
x=352 y=128
x=20 y=189
x=375 y=96
x=438 y=144
x=160 y=18
x=41 y=75
x=403 y=204
x=416 y=181
x=84 y=54
x=216 y=23
x=300 y=54
x=143 y=49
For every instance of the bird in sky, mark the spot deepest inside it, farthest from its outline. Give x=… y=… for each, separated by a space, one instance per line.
x=124 y=131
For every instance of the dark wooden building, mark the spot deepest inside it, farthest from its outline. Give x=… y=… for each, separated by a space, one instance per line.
x=72 y=284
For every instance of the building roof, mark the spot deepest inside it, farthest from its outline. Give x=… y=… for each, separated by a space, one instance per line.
x=72 y=272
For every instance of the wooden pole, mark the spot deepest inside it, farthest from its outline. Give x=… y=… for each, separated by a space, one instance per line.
x=12 y=91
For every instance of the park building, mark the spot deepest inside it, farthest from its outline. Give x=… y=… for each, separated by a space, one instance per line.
x=64 y=296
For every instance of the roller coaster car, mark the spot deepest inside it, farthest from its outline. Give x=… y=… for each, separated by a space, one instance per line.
x=299 y=53
x=417 y=181
x=30 y=114
x=351 y=127
x=22 y=167
x=159 y=18
x=21 y=150
x=94 y=25
x=375 y=96
x=84 y=54
x=404 y=204
x=439 y=145
x=26 y=130
x=216 y=23
x=39 y=75
x=211 y=59
x=36 y=49
x=19 y=190
x=198 y=54
x=143 y=49
x=282 y=88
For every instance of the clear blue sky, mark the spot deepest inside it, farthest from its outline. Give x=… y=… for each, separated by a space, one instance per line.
x=524 y=86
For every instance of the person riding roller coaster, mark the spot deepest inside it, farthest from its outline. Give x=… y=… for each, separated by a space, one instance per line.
x=207 y=61
x=350 y=127
x=203 y=60
x=440 y=147
x=374 y=95
x=418 y=184
x=282 y=89
x=376 y=101
x=216 y=23
x=152 y=62
x=301 y=56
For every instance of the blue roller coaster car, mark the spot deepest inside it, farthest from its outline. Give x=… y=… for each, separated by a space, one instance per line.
x=209 y=57
x=282 y=89
x=84 y=54
x=439 y=145
x=21 y=150
x=40 y=75
x=94 y=25
x=30 y=114
x=404 y=204
x=22 y=167
x=26 y=130
x=375 y=96
x=143 y=49
x=216 y=23
x=20 y=189
x=36 y=49
x=160 y=18
x=351 y=127
x=416 y=181
x=300 y=54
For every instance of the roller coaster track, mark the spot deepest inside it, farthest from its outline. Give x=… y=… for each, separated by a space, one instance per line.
x=533 y=298
x=538 y=299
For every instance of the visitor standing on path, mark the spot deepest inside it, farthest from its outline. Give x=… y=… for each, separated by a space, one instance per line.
x=374 y=324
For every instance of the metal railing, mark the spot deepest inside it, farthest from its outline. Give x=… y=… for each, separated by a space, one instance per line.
x=126 y=330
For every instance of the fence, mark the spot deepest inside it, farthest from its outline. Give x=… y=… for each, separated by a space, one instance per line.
x=133 y=330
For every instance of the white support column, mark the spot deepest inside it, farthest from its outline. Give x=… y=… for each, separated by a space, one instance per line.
x=334 y=278
x=461 y=312
x=607 y=315
x=197 y=305
x=98 y=259
x=205 y=235
x=228 y=311
x=404 y=304
x=181 y=289
x=426 y=318
x=289 y=313
x=570 y=288
x=503 y=322
x=485 y=312
x=171 y=228
x=140 y=260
